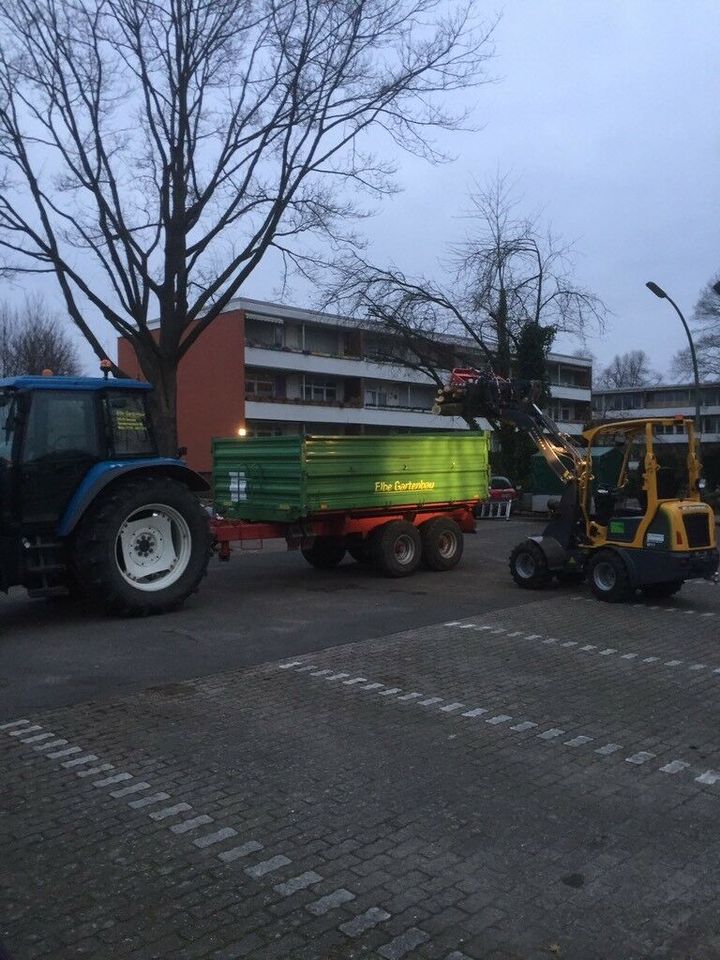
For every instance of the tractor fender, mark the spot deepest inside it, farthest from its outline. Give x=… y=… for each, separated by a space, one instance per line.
x=555 y=553
x=110 y=471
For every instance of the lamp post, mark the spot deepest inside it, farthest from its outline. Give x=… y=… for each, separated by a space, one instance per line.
x=659 y=292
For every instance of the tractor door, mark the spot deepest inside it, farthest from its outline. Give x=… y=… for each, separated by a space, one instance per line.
x=61 y=443
x=9 y=539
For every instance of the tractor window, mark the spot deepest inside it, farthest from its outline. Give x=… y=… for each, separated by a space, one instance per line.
x=129 y=425
x=8 y=410
x=61 y=425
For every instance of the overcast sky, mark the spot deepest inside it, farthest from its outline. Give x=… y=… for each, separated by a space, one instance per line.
x=605 y=114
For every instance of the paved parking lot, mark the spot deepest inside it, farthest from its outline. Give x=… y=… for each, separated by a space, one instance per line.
x=504 y=775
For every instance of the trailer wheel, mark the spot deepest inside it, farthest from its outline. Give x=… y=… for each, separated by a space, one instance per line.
x=397 y=548
x=657 y=591
x=442 y=543
x=325 y=552
x=608 y=577
x=143 y=547
x=529 y=566
x=359 y=548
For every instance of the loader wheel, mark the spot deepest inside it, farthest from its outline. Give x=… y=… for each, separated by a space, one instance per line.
x=143 y=547
x=442 y=543
x=529 y=566
x=397 y=548
x=657 y=591
x=325 y=552
x=608 y=577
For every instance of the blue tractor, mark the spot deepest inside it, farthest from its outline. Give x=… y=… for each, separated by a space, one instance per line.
x=87 y=505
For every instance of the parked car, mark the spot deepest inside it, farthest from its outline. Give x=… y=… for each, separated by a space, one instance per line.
x=503 y=489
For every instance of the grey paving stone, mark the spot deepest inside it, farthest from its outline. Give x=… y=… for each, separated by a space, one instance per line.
x=330 y=902
x=403 y=944
x=267 y=866
x=365 y=921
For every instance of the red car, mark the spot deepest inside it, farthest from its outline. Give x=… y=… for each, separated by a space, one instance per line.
x=502 y=489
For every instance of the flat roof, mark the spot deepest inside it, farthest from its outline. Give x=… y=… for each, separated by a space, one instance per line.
x=72 y=383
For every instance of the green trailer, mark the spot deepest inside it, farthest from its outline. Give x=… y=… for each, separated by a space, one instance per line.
x=389 y=501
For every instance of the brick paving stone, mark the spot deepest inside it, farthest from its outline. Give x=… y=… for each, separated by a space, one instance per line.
x=482 y=836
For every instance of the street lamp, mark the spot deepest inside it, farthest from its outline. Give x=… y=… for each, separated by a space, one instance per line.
x=659 y=292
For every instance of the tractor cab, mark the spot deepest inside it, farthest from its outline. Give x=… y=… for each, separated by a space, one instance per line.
x=53 y=430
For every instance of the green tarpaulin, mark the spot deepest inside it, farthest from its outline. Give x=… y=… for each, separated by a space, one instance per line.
x=606 y=469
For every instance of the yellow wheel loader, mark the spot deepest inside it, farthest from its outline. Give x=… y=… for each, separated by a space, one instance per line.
x=649 y=530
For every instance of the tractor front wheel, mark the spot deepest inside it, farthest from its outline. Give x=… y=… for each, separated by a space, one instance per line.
x=142 y=547
x=529 y=566
x=608 y=577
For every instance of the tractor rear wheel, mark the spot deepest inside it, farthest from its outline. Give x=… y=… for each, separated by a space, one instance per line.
x=442 y=543
x=608 y=577
x=142 y=547
x=325 y=552
x=529 y=566
x=397 y=548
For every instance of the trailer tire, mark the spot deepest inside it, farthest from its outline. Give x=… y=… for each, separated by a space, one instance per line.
x=608 y=577
x=657 y=591
x=442 y=543
x=132 y=526
x=360 y=549
x=529 y=566
x=397 y=548
x=325 y=552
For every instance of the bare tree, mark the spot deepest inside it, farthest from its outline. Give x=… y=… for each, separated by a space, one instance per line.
x=706 y=336
x=631 y=369
x=33 y=339
x=155 y=150
x=509 y=290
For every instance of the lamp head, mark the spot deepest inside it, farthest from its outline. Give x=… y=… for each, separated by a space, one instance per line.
x=658 y=291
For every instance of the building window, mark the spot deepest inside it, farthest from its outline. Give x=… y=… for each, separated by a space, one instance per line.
x=259 y=383
x=664 y=397
x=258 y=333
x=376 y=398
x=319 y=391
x=322 y=340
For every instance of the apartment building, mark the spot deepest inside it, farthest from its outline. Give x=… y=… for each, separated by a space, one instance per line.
x=663 y=400
x=269 y=369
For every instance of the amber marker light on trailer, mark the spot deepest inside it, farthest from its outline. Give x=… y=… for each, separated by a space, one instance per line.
x=242 y=431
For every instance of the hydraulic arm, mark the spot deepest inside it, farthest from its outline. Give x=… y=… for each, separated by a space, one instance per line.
x=472 y=393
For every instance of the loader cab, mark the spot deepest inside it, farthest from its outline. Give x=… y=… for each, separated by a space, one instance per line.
x=653 y=476
x=53 y=430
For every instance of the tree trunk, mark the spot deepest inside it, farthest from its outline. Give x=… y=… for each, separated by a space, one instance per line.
x=163 y=404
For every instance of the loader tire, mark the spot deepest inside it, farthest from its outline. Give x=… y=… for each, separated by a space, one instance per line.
x=142 y=547
x=608 y=577
x=656 y=591
x=529 y=566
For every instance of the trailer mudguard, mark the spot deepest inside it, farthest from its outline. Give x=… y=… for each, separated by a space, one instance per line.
x=107 y=472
